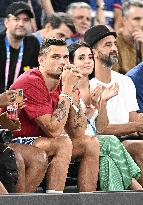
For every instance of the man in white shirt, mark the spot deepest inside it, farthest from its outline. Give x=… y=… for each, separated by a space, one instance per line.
x=121 y=109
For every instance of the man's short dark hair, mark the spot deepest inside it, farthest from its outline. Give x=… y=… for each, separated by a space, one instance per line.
x=49 y=42
x=57 y=19
x=67 y=20
x=54 y=20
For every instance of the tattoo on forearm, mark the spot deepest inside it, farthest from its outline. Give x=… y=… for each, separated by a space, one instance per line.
x=60 y=111
x=77 y=120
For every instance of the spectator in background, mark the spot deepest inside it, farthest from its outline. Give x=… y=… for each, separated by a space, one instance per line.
x=3 y=15
x=58 y=25
x=18 y=52
x=111 y=9
x=108 y=12
x=81 y=14
x=130 y=37
x=51 y=6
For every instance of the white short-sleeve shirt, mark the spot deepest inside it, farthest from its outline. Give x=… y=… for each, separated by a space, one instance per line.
x=119 y=107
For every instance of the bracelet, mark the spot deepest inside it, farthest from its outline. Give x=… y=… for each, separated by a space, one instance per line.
x=91 y=106
x=70 y=100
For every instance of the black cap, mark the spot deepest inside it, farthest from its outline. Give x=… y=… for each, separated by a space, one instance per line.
x=19 y=7
x=96 y=33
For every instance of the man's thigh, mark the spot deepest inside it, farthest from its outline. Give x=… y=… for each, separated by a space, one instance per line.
x=135 y=148
x=84 y=144
x=52 y=145
x=28 y=152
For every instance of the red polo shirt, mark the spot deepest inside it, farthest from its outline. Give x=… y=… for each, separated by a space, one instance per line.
x=39 y=102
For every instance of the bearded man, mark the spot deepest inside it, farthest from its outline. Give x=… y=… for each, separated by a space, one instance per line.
x=18 y=52
x=121 y=109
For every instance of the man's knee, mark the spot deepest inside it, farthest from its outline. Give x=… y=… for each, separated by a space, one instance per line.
x=39 y=158
x=42 y=158
x=53 y=146
x=31 y=155
x=19 y=161
x=134 y=147
x=127 y=143
x=90 y=145
x=64 y=144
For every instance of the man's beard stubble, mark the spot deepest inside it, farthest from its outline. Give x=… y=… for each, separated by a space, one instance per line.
x=18 y=37
x=108 y=60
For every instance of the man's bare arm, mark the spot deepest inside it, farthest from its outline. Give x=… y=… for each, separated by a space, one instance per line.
x=33 y=20
x=135 y=125
x=121 y=129
x=47 y=6
x=102 y=119
x=53 y=125
x=76 y=122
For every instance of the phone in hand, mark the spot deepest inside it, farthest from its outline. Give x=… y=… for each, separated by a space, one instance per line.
x=19 y=96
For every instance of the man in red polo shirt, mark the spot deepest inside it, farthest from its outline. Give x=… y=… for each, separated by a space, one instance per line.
x=51 y=103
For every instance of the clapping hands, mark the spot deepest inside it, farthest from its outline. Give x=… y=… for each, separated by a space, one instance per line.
x=110 y=91
x=104 y=93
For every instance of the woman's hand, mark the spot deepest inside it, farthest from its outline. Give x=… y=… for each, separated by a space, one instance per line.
x=96 y=95
x=110 y=91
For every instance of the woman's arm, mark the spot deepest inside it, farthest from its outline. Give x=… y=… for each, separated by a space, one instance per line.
x=102 y=118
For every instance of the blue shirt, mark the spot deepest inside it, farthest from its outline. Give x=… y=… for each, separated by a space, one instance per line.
x=136 y=74
x=72 y=40
x=38 y=36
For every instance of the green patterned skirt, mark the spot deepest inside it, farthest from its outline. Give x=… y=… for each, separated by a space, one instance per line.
x=117 y=168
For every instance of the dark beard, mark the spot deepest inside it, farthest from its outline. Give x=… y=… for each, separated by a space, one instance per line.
x=19 y=37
